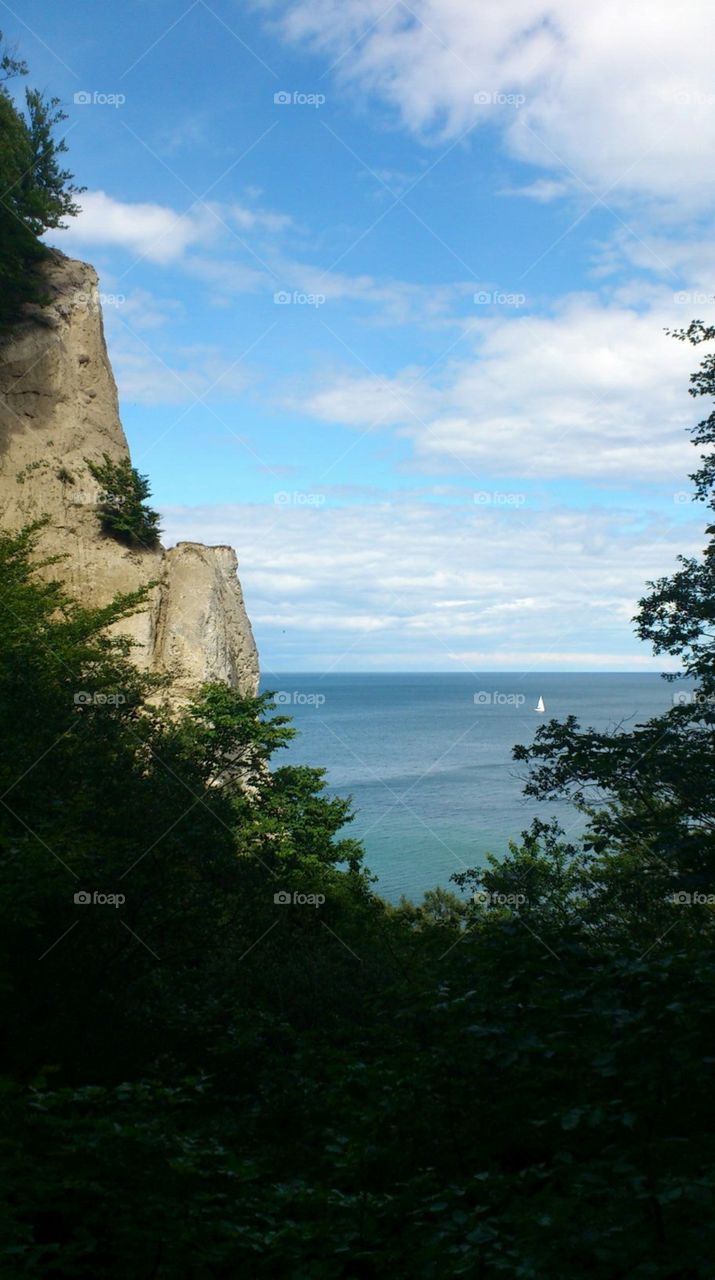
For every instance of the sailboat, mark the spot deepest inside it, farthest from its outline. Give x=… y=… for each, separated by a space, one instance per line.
x=540 y=706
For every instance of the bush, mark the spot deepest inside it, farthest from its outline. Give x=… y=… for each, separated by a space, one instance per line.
x=123 y=511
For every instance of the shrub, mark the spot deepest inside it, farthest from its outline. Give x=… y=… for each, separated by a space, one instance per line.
x=122 y=508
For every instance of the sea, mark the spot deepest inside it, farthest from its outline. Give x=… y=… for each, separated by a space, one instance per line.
x=426 y=758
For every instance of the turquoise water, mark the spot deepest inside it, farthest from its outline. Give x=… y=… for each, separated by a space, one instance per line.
x=427 y=757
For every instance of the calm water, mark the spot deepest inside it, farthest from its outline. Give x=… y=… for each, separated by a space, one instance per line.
x=427 y=758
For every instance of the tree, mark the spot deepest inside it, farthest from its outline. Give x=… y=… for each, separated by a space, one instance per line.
x=37 y=193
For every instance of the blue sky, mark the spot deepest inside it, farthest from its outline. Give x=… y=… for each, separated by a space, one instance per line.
x=460 y=443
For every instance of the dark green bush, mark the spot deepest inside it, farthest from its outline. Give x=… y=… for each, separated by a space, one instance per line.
x=123 y=510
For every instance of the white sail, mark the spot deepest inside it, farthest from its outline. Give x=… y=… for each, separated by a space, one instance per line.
x=540 y=706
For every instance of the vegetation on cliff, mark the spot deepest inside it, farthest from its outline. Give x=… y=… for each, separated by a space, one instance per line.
x=234 y=1057
x=123 y=509
x=36 y=193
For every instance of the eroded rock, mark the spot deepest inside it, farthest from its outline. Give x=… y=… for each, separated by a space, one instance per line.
x=58 y=407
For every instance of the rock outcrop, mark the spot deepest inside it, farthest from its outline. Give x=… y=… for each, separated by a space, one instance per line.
x=58 y=408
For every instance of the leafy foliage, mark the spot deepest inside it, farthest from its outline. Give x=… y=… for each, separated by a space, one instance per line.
x=37 y=193
x=123 y=510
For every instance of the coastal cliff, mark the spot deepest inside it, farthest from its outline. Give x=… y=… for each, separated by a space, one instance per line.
x=59 y=410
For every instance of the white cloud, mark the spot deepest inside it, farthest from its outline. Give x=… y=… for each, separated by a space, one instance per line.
x=445 y=588
x=384 y=299
x=619 y=94
x=152 y=231
x=388 y=300
x=592 y=391
x=158 y=232
x=259 y=219
x=543 y=190
x=163 y=236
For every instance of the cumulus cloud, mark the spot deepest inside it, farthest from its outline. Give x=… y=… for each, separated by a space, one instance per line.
x=619 y=95
x=158 y=232
x=594 y=390
x=153 y=231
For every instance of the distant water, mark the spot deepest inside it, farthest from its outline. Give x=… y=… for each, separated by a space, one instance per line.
x=427 y=758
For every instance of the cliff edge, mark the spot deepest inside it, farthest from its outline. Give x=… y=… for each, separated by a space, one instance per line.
x=58 y=408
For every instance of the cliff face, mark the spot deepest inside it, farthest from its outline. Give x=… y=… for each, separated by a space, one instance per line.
x=58 y=407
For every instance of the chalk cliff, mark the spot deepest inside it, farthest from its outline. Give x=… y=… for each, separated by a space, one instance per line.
x=58 y=407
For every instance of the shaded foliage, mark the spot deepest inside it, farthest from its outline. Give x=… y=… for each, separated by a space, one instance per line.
x=511 y=1080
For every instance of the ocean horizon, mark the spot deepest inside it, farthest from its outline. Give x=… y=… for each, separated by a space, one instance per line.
x=426 y=756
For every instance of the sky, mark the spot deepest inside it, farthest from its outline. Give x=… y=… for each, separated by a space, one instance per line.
x=385 y=290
